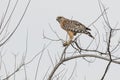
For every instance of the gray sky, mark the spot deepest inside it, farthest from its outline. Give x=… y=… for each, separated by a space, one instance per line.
x=40 y=14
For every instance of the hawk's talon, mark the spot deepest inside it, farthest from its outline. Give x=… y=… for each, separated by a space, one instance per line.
x=65 y=44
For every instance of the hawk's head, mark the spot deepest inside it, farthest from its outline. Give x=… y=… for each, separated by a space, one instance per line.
x=60 y=19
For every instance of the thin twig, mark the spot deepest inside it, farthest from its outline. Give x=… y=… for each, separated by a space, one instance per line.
x=16 y=25
x=25 y=55
x=98 y=18
x=46 y=74
x=73 y=71
x=4 y=16
x=109 y=39
x=50 y=58
x=40 y=57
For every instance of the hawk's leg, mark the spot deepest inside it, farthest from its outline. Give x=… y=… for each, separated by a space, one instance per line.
x=71 y=35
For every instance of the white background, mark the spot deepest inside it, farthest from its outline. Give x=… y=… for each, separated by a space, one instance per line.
x=40 y=14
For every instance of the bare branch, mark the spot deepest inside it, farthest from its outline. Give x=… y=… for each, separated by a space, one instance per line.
x=13 y=72
x=78 y=56
x=38 y=65
x=16 y=25
x=25 y=55
x=44 y=48
x=50 y=58
x=98 y=17
x=73 y=70
x=46 y=74
x=3 y=18
x=109 y=38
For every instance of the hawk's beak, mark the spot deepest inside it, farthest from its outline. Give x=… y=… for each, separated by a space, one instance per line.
x=57 y=19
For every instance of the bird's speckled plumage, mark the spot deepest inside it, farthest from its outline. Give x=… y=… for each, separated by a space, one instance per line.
x=73 y=27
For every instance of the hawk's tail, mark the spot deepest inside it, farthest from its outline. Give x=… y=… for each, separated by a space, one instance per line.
x=88 y=29
x=89 y=34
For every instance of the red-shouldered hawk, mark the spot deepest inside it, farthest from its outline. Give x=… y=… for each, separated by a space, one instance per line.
x=72 y=27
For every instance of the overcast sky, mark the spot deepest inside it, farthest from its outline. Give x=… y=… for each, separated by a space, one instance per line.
x=41 y=14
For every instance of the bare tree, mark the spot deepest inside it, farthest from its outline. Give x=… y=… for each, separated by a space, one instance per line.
x=76 y=50
x=107 y=54
x=6 y=35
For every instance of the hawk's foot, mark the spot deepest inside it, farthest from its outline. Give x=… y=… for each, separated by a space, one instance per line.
x=66 y=44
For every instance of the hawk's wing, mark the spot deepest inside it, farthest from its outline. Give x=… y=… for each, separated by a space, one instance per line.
x=75 y=26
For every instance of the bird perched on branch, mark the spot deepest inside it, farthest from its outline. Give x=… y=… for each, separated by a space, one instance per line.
x=72 y=27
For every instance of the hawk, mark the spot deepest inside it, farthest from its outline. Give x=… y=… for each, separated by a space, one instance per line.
x=72 y=27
